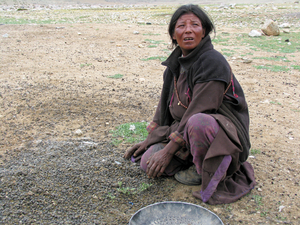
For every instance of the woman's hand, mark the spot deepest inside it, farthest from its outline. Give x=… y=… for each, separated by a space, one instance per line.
x=157 y=164
x=161 y=159
x=136 y=150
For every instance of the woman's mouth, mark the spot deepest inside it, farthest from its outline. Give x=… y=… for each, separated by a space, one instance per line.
x=188 y=39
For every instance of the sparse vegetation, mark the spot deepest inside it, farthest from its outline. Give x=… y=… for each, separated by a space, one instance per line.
x=128 y=190
x=85 y=65
x=156 y=42
x=275 y=44
x=296 y=67
x=273 y=68
x=258 y=199
x=273 y=58
x=275 y=103
x=254 y=151
x=161 y=58
x=116 y=76
x=130 y=133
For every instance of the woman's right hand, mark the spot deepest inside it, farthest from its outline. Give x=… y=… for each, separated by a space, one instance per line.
x=136 y=150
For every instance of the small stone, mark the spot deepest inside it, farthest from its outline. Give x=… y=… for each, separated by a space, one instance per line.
x=247 y=61
x=136 y=32
x=281 y=208
x=95 y=196
x=286 y=31
x=217 y=210
x=254 y=33
x=259 y=189
x=270 y=28
x=285 y=25
x=30 y=193
x=78 y=132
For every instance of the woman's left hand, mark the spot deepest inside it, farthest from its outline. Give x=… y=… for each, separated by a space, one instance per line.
x=158 y=163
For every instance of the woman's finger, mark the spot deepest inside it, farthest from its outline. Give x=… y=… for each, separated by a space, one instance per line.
x=156 y=171
x=149 y=168
x=130 y=152
x=162 y=170
x=152 y=169
x=139 y=151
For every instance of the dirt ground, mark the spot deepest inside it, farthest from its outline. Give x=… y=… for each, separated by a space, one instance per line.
x=55 y=79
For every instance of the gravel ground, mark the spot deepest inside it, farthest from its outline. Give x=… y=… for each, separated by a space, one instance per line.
x=73 y=182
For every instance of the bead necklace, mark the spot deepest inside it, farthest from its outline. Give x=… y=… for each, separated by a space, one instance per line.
x=179 y=102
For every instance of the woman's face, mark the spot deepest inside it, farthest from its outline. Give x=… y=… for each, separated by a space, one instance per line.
x=188 y=32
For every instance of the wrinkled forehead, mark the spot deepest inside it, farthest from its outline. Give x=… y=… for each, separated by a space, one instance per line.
x=188 y=16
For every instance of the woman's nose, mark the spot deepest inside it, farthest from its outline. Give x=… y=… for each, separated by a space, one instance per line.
x=188 y=28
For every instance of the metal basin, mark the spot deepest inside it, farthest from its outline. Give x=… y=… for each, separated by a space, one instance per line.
x=174 y=213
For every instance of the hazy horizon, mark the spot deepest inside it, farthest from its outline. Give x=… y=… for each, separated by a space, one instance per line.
x=110 y=2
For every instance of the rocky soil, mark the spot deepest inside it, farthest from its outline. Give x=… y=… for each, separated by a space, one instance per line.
x=60 y=98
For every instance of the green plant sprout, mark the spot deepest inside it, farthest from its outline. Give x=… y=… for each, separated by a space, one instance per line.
x=275 y=103
x=154 y=41
x=116 y=76
x=257 y=199
x=296 y=67
x=254 y=151
x=161 y=58
x=111 y=196
x=85 y=64
x=129 y=190
x=151 y=34
x=129 y=133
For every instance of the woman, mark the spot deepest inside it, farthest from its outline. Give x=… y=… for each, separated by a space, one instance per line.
x=200 y=131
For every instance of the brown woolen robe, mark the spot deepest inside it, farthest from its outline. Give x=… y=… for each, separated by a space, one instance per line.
x=208 y=75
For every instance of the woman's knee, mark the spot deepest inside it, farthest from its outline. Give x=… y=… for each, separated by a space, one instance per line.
x=202 y=123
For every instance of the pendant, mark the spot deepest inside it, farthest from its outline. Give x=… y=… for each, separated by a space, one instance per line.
x=178 y=103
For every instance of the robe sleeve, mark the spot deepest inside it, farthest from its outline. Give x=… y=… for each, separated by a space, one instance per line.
x=157 y=133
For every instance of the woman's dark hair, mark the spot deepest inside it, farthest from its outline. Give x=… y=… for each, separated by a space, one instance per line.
x=186 y=9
